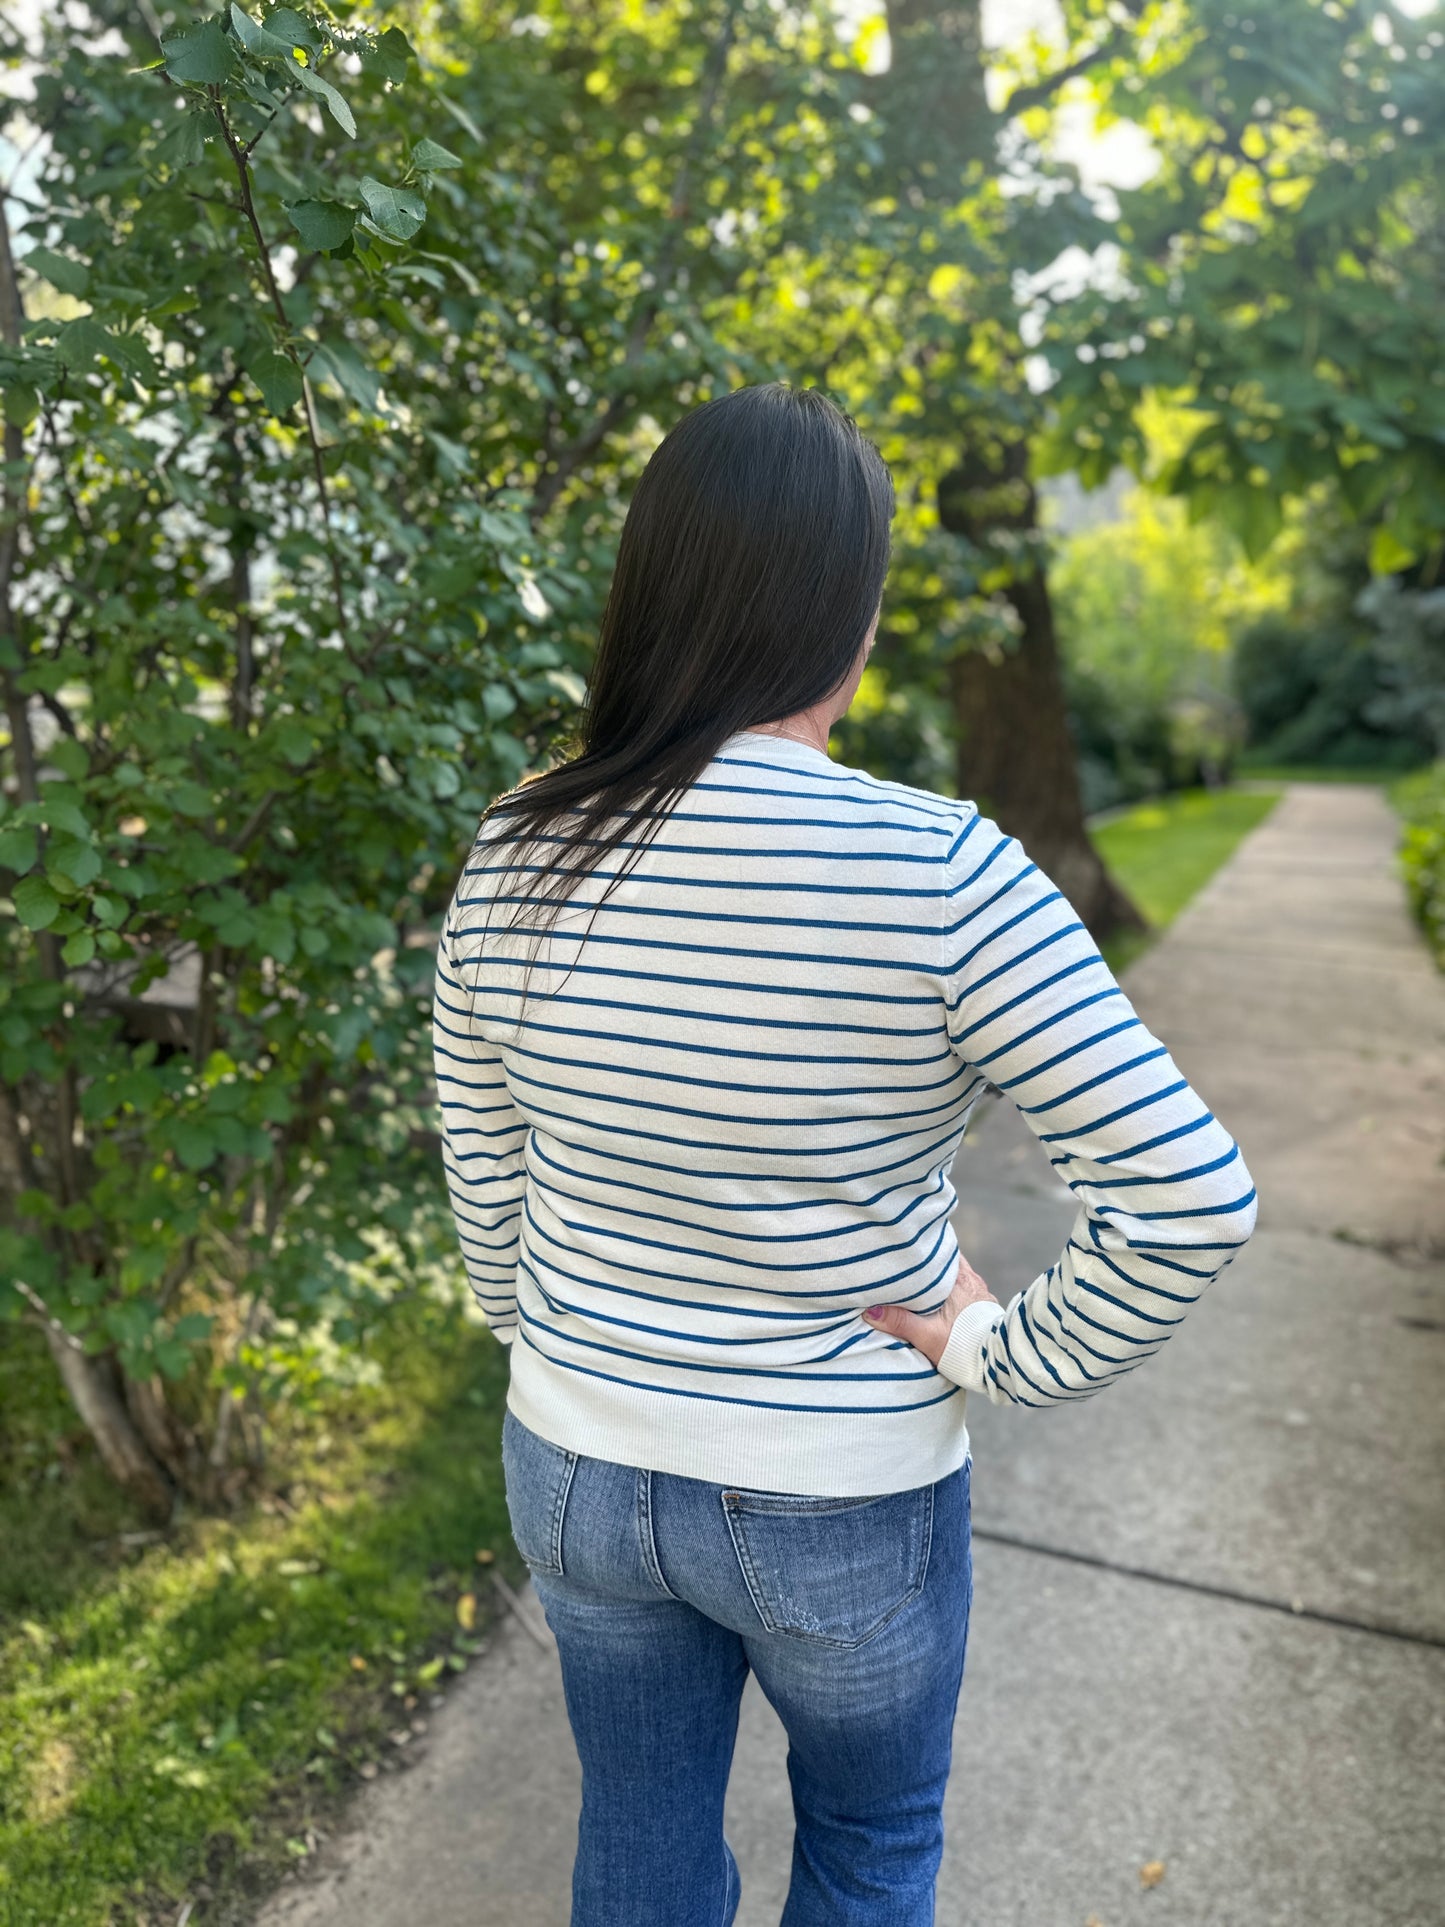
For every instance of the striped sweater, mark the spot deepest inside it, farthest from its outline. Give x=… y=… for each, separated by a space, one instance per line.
x=728 y=1119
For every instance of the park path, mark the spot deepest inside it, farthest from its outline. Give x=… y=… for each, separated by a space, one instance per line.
x=1209 y=1621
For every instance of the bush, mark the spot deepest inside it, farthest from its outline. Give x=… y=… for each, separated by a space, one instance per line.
x=1421 y=801
x=1314 y=694
x=1144 y=606
x=271 y=645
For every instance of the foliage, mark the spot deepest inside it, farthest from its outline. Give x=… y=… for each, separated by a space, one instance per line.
x=1279 y=271
x=1409 y=648
x=177 y=1716
x=1309 y=694
x=1148 y=605
x=1420 y=800
x=1350 y=671
x=264 y=619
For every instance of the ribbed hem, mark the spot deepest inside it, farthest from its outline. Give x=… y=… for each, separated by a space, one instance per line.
x=962 y=1360
x=835 y=1455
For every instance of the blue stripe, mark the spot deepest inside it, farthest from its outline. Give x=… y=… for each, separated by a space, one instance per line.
x=850 y=960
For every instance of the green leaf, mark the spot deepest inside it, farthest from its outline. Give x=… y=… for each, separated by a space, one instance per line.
x=321 y=224
x=279 y=381
x=189 y=799
x=314 y=84
x=388 y=56
x=185 y=145
x=433 y=157
x=258 y=41
x=200 y=57
x=289 y=26
x=70 y=860
x=397 y=211
x=193 y=1327
x=22 y=405
x=78 y=949
x=19 y=848
x=59 y=809
x=69 y=758
x=83 y=341
x=293 y=740
x=172 y=1359
x=71 y=277
x=1388 y=554
x=194 y=1144
x=339 y=362
x=36 y=904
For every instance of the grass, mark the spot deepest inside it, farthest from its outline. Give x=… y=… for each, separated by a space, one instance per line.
x=178 y=1718
x=1164 y=851
x=1252 y=769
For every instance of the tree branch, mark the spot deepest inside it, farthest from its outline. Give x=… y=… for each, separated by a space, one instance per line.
x=288 y=348
x=1038 y=93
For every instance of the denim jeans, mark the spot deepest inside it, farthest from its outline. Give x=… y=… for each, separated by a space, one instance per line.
x=662 y=1592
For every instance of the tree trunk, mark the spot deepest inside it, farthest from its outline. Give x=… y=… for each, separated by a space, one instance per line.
x=1015 y=752
x=121 y=1448
x=1016 y=759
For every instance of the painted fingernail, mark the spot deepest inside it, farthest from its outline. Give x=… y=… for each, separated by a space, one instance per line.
x=874 y=1311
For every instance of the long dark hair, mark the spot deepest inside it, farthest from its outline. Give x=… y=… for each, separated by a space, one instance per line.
x=750 y=568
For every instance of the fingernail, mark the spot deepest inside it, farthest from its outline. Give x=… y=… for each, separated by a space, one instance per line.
x=874 y=1311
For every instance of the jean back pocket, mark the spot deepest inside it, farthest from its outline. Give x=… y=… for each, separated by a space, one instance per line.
x=832 y=1570
x=538 y=1478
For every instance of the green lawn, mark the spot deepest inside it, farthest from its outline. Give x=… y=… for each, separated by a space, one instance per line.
x=1260 y=770
x=177 y=1716
x=1164 y=851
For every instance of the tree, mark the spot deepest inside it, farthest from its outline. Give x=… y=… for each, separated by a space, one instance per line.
x=975 y=204
x=1280 y=273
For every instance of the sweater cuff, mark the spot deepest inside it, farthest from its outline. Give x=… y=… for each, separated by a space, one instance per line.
x=962 y=1360
x=504 y=1334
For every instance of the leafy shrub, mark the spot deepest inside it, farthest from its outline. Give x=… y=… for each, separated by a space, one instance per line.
x=1313 y=694
x=1421 y=801
x=270 y=643
x=1145 y=607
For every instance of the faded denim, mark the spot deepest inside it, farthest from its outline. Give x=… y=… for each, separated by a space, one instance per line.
x=662 y=1592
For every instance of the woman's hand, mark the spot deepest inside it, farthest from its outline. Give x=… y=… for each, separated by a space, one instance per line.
x=927 y=1332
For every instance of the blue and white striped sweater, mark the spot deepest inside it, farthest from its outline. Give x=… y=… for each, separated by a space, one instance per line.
x=728 y=1121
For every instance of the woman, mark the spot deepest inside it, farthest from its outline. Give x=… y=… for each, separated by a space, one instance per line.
x=712 y=1012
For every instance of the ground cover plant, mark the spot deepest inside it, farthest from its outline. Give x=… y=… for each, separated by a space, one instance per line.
x=182 y=1713
x=1420 y=799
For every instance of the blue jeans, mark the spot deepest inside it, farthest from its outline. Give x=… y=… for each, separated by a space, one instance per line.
x=662 y=1592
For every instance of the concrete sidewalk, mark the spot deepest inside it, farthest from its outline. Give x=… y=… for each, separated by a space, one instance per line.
x=1209 y=1619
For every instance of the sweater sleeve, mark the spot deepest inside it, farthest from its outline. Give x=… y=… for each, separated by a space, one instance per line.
x=483 y=1142
x=1164 y=1198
